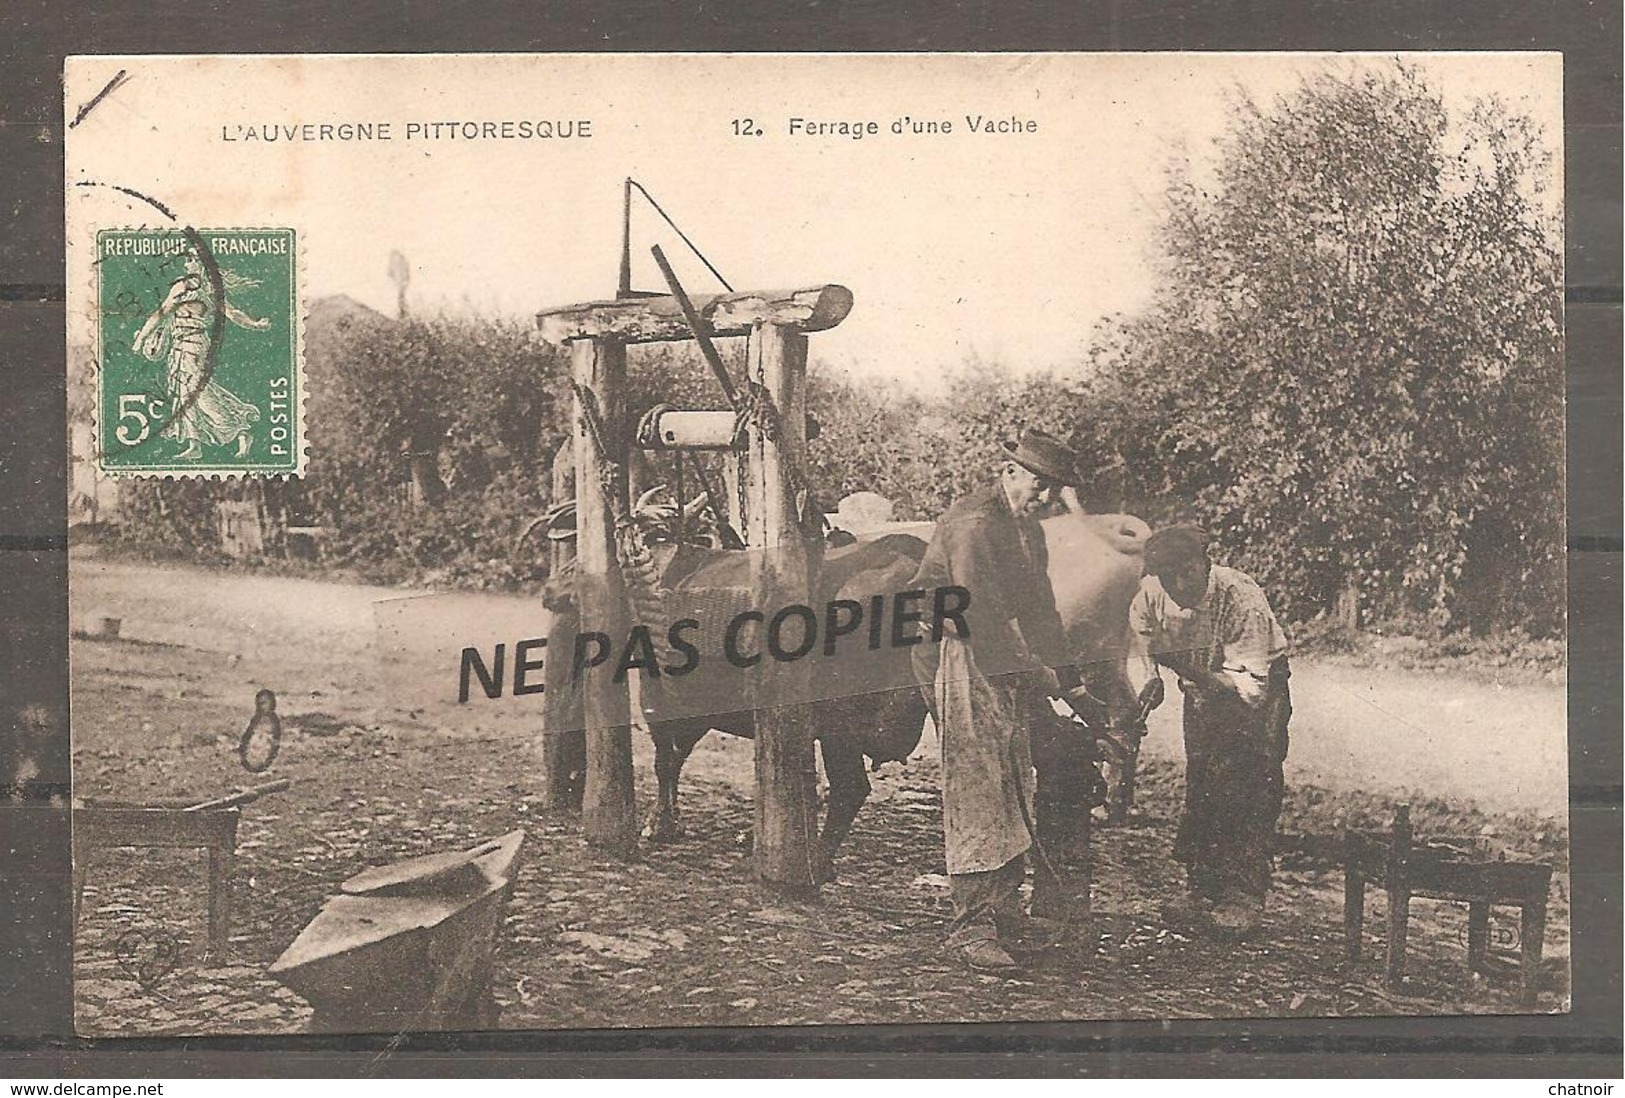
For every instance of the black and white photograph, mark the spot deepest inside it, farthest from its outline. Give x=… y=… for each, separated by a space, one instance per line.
x=676 y=540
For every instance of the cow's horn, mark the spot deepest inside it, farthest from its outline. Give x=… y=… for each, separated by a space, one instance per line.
x=647 y=498
x=696 y=504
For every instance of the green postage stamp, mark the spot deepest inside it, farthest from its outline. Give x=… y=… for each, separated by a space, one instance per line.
x=199 y=333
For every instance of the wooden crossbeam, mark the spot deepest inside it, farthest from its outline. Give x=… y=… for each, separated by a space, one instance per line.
x=656 y=319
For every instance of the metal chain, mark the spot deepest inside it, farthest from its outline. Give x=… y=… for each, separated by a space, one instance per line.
x=740 y=473
x=740 y=440
x=678 y=521
x=756 y=397
x=757 y=410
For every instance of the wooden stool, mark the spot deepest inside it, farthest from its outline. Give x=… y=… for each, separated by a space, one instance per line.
x=214 y=830
x=1439 y=872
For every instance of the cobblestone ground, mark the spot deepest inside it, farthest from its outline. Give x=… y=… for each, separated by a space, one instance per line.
x=683 y=936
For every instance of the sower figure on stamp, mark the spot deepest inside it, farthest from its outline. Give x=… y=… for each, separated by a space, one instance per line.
x=989 y=692
x=180 y=332
x=1213 y=627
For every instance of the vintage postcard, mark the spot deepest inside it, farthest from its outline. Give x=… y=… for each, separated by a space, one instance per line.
x=573 y=541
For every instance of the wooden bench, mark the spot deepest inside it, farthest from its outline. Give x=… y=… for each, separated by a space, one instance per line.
x=210 y=825
x=1395 y=862
x=109 y=827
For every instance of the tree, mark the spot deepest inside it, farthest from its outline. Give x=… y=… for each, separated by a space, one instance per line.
x=430 y=441
x=1352 y=368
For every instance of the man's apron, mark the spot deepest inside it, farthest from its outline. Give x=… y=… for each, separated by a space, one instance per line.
x=987 y=771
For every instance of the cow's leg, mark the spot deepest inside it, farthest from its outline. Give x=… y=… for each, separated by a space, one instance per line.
x=848 y=789
x=1109 y=680
x=884 y=726
x=674 y=740
x=661 y=824
x=1061 y=804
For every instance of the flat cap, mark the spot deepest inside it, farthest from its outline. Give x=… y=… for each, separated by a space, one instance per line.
x=1174 y=545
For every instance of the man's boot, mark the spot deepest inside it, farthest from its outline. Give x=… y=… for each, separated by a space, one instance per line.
x=1191 y=910
x=1023 y=933
x=1238 y=915
x=979 y=948
x=1063 y=896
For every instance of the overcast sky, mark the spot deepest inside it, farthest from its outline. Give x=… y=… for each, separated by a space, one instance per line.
x=1008 y=247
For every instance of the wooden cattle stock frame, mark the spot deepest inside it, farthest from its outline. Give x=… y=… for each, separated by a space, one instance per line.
x=776 y=324
x=564 y=745
x=608 y=808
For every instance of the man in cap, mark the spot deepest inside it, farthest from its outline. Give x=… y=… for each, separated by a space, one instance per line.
x=1212 y=626
x=990 y=689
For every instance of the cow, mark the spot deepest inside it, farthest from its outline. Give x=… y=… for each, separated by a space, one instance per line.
x=873 y=709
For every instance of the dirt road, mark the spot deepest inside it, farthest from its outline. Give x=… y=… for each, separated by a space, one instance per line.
x=1355 y=728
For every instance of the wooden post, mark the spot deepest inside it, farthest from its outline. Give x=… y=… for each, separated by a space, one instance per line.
x=564 y=739
x=1399 y=895
x=562 y=552
x=786 y=832
x=624 y=286
x=1532 y=929
x=1353 y=893
x=220 y=867
x=608 y=818
x=1478 y=935
x=1346 y=611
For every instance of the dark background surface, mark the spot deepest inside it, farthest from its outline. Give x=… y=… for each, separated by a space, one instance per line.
x=35 y=994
